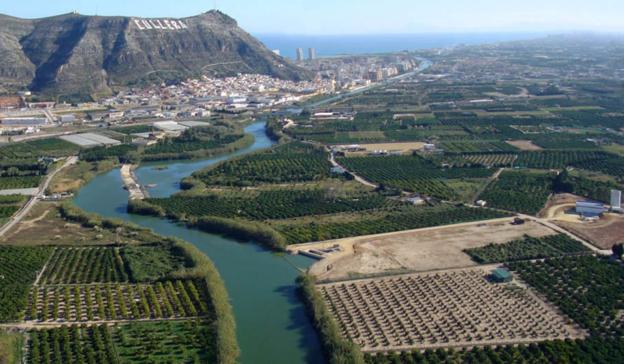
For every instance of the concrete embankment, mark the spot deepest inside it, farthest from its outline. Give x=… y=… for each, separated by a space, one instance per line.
x=131 y=183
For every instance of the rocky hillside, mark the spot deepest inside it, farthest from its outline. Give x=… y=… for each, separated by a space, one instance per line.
x=77 y=55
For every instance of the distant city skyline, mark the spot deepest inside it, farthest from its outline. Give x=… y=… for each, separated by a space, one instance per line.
x=325 y=17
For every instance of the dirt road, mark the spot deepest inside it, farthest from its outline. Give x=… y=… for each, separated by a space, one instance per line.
x=33 y=200
x=361 y=180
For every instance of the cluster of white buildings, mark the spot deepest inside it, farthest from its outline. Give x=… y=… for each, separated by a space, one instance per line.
x=250 y=84
x=197 y=98
x=353 y=72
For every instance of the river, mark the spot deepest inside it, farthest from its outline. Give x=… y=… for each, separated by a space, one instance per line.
x=272 y=325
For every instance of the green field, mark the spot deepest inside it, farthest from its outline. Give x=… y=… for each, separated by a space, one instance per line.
x=412 y=173
x=134 y=129
x=404 y=218
x=167 y=342
x=270 y=204
x=123 y=153
x=586 y=288
x=84 y=265
x=18 y=182
x=18 y=270
x=11 y=347
x=294 y=162
x=170 y=342
x=49 y=148
x=524 y=192
x=191 y=143
x=152 y=263
x=9 y=205
x=476 y=146
x=527 y=248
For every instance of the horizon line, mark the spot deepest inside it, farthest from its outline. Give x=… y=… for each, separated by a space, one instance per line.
x=507 y=31
x=453 y=32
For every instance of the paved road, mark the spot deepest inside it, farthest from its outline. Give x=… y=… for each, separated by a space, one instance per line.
x=33 y=200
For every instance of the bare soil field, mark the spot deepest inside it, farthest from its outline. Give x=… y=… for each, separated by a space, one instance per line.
x=454 y=308
x=605 y=233
x=561 y=207
x=391 y=147
x=44 y=226
x=524 y=145
x=416 y=251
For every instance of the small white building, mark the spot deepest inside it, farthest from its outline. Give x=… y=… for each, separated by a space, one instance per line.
x=116 y=115
x=616 y=200
x=67 y=119
x=416 y=200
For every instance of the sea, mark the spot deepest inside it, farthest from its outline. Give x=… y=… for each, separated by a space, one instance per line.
x=334 y=45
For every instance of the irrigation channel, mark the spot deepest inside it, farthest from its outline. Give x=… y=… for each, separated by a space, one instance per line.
x=272 y=325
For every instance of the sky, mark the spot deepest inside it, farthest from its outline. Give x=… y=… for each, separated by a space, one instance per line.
x=336 y=17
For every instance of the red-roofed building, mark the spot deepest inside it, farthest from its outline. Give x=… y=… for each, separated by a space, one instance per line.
x=11 y=102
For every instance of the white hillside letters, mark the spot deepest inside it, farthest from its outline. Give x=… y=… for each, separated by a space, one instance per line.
x=159 y=24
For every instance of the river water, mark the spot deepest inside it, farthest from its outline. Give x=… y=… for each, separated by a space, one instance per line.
x=272 y=325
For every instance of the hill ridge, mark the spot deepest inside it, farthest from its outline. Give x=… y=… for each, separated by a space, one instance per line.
x=78 y=55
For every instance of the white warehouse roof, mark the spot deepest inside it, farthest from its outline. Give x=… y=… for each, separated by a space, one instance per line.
x=169 y=126
x=90 y=140
x=194 y=124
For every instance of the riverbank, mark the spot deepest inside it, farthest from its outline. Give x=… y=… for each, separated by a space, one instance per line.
x=272 y=325
x=131 y=183
x=199 y=267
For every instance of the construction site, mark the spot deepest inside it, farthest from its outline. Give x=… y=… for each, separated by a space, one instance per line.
x=415 y=251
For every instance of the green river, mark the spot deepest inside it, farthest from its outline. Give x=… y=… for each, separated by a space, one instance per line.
x=271 y=322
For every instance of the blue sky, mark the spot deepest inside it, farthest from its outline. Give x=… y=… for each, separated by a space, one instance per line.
x=361 y=16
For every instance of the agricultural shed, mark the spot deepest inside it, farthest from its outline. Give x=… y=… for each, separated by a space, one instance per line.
x=590 y=209
x=501 y=275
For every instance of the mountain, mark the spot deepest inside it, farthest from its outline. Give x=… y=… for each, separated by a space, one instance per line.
x=76 y=55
